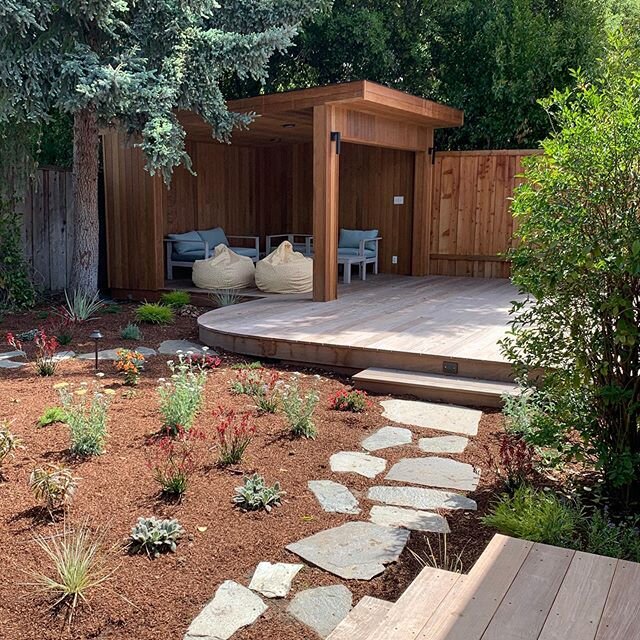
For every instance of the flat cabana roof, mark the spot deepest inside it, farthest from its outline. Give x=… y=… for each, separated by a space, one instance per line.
x=288 y=116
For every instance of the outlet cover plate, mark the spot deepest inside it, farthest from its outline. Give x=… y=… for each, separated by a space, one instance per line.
x=450 y=367
x=398 y=199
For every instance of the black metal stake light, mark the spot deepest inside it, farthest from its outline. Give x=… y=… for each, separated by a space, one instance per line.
x=96 y=336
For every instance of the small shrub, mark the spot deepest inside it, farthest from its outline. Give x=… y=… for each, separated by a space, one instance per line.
x=154 y=536
x=131 y=332
x=130 y=364
x=226 y=297
x=299 y=411
x=203 y=361
x=255 y=364
x=539 y=516
x=62 y=329
x=181 y=397
x=9 y=444
x=247 y=382
x=355 y=401
x=27 y=336
x=234 y=434
x=176 y=299
x=605 y=537
x=111 y=308
x=52 y=415
x=153 y=313
x=254 y=495
x=516 y=462
x=86 y=415
x=80 y=306
x=45 y=362
x=80 y=561
x=174 y=460
x=54 y=486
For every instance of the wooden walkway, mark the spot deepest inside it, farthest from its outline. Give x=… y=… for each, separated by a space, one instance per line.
x=517 y=590
x=406 y=323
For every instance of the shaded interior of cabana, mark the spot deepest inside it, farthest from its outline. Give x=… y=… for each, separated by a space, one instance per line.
x=355 y=155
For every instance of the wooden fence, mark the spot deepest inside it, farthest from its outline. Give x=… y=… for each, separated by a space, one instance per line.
x=47 y=230
x=471 y=221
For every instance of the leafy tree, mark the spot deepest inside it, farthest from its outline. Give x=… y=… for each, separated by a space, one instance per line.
x=133 y=63
x=579 y=263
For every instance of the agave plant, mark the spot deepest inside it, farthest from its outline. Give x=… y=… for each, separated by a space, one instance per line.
x=80 y=306
x=53 y=485
x=226 y=297
x=155 y=536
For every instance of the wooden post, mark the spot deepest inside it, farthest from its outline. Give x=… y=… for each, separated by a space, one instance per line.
x=325 y=205
x=422 y=197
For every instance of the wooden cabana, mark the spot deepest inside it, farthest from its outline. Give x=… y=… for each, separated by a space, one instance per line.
x=355 y=155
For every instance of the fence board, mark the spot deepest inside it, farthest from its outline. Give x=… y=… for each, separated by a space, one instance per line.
x=471 y=222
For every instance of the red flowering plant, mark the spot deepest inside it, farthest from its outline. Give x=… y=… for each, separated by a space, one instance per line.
x=355 y=401
x=203 y=361
x=174 y=459
x=516 y=461
x=46 y=347
x=234 y=433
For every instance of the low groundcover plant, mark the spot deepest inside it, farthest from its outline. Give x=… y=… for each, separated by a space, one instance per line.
x=155 y=536
x=254 y=494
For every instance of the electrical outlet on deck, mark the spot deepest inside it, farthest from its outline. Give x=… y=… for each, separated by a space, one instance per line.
x=394 y=259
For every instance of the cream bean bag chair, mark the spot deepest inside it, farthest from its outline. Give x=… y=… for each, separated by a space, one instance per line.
x=285 y=271
x=224 y=270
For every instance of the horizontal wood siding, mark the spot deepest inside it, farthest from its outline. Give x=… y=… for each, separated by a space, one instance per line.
x=47 y=228
x=471 y=224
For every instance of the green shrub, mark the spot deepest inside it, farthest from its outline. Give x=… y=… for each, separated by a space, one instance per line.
x=535 y=515
x=9 y=443
x=53 y=485
x=181 y=396
x=254 y=494
x=110 y=308
x=153 y=313
x=256 y=364
x=604 y=537
x=86 y=417
x=51 y=415
x=154 y=536
x=299 y=411
x=176 y=299
x=131 y=332
x=355 y=401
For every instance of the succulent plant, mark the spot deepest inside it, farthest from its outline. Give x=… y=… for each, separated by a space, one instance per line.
x=254 y=494
x=155 y=536
x=54 y=485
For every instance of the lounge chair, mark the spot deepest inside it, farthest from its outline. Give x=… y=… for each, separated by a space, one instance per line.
x=183 y=249
x=301 y=242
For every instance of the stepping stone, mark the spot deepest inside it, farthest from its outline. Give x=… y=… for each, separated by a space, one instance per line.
x=334 y=497
x=171 y=347
x=10 y=364
x=274 y=580
x=64 y=355
x=146 y=351
x=353 y=551
x=443 y=417
x=387 y=437
x=435 y=472
x=357 y=462
x=409 y=519
x=419 y=498
x=232 y=608
x=322 y=609
x=443 y=444
x=104 y=354
x=9 y=355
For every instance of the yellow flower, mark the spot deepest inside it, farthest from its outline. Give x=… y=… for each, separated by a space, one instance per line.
x=60 y=385
x=81 y=392
x=110 y=392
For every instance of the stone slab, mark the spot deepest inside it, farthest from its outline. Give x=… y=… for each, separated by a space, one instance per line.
x=146 y=351
x=409 y=519
x=171 y=347
x=11 y=364
x=334 y=497
x=435 y=472
x=322 y=609
x=104 y=354
x=232 y=608
x=357 y=462
x=442 y=417
x=353 y=551
x=64 y=355
x=387 y=437
x=10 y=355
x=274 y=580
x=443 y=444
x=420 y=498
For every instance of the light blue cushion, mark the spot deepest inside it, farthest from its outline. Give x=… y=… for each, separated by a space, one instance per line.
x=245 y=251
x=187 y=257
x=195 y=244
x=214 y=237
x=350 y=238
x=369 y=253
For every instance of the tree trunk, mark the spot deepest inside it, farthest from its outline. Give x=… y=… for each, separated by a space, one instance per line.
x=84 y=275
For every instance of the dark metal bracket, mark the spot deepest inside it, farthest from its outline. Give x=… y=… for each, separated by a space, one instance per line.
x=335 y=137
x=432 y=153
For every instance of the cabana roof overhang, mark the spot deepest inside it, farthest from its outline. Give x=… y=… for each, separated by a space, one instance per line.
x=316 y=121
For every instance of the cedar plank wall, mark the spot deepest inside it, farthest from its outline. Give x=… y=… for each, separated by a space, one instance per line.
x=471 y=221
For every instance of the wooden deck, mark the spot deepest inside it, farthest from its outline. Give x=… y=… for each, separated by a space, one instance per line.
x=415 y=324
x=517 y=590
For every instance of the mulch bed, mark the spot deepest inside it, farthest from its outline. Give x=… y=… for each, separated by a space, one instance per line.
x=156 y=599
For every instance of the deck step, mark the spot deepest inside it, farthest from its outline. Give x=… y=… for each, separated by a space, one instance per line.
x=437 y=388
x=362 y=619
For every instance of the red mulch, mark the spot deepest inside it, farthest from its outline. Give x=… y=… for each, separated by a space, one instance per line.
x=156 y=599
